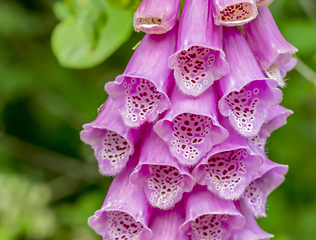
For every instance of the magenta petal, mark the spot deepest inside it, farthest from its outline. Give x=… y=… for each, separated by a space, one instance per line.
x=251 y=230
x=156 y=16
x=125 y=211
x=287 y=67
x=163 y=178
x=190 y=127
x=245 y=93
x=228 y=168
x=268 y=178
x=266 y=41
x=208 y=217
x=165 y=225
x=140 y=93
x=113 y=142
x=276 y=118
x=263 y=3
x=234 y=12
x=199 y=59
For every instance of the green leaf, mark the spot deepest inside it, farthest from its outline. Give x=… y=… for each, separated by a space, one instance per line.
x=61 y=10
x=91 y=34
x=119 y=3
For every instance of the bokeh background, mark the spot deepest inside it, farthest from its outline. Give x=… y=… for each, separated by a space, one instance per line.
x=49 y=180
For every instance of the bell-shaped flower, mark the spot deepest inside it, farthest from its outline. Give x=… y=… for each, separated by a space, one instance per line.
x=125 y=213
x=263 y=3
x=268 y=44
x=190 y=127
x=164 y=180
x=251 y=230
x=228 y=168
x=165 y=224
x=156 y=16
x=199 y=58
x=113 y=142
x=276 y=118
x=245 y=92
x=268 y=178
x=234 y=12
x=209 y=217
x=140 y=93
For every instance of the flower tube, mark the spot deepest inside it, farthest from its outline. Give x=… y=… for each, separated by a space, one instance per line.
x=190 y=127
x=208 y=217
x=125 y=213
x=165 y=224
x=276 y=119
x=268 y=44
x=199 y=59
x=156 y=16
x=228 y=168
x=251 y=230
x=163 y=178
x=140 y=93
x=113 y=142
x=234 y=12
x=268 y=178
x=245 y=92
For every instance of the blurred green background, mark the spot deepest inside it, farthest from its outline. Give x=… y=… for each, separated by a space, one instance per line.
x=49 y=180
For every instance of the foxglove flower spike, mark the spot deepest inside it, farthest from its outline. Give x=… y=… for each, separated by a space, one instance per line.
x=125 y=213
x=163 y=178
x=156 y=16
x=190 y=127
x=199 y=59
x=113 y=142
x=245 y=92
x=140 y=93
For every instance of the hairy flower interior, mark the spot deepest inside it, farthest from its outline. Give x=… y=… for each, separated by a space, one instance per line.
x=273 y=72
x=165 y=185
x=208 y=227
x=142 y=98
x=189 y=133
x=194 y=64
x=122 y=226
x=237 y=12
x=114 y=148
x=149 y=21
x=225 y=171
x=254 y=197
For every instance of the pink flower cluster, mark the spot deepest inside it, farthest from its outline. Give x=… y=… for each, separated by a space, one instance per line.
x=185 y=126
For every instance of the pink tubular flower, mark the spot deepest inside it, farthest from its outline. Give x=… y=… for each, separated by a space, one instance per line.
x=251 y=230
x=228 y=168
x=268 y=178
x=165 y=225
x=268 y=44
x=199 y=59
x=140 y=93
x=263 y=3
x=164 y=180
x=245 y=92
x=208 y=217
x=113 y=142
x=234 y=12
x=190 y=127
x=125 y=213
x=156 y=16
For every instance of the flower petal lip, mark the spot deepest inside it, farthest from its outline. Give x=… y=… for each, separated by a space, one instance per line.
x=203 y=203
x=156 y=16
x=234 y=12
x=228 y=168
x=190 y=127
x=140 y=93
x=266 y=41
x=123 y=200
x=251 y=230
x=163 y=178
x=113 y=142
x=199 y=59
x=165 y=224
x=245 y=92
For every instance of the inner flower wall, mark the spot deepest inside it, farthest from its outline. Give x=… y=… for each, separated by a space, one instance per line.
x=187 y=153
